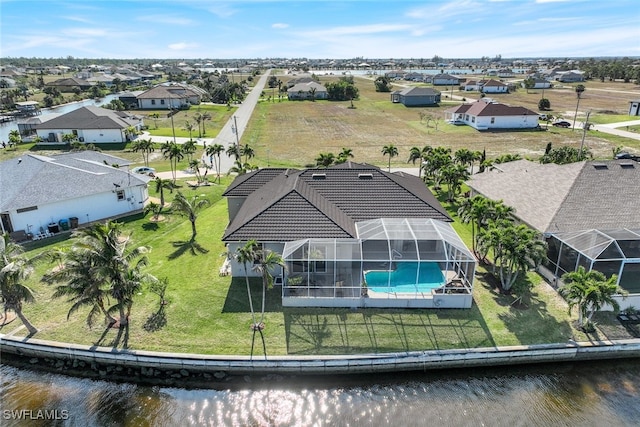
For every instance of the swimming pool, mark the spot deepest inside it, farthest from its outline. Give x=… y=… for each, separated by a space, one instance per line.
x=403 y=278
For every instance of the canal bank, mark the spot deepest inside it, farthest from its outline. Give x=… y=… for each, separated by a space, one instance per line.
x=148 y=367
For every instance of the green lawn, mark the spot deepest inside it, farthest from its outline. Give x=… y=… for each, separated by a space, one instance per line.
x=209 y=314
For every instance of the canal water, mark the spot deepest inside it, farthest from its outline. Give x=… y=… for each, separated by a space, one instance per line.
x=604 y=393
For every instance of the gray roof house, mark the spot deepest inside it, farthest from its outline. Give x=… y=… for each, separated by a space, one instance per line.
x=416 y=97
x=169 y=96
x=335 y=226
x=308 y=90
x=589 y=213
x=90 y=125
x=487 y=114
x=41 y=191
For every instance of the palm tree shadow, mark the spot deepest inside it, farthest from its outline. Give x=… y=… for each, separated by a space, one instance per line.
x=156 y=321
x=150 y=226
x=122 y=335
x=189 y=245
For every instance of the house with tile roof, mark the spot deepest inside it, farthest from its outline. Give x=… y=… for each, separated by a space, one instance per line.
x=589 y=213
x=68 y=84
x=39 y=191
x=169 y=96
x=445 y=80
x=90 y=124
x=416 y=96
x=305 y=90
x=493 y=86
x=487 y=114
x=334 y=226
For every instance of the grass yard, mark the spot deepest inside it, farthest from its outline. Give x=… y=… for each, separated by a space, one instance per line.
x=209 y=314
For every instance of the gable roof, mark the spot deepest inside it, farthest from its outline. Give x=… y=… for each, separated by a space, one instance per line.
x=307 y=86
x=418 y=91
x=168 y=92
x=299 y=204
x=90 y=118
x=38 y=180
x=556 y=198
x=70 y=81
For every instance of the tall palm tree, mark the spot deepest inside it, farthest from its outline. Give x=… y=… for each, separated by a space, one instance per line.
x=116 y=264
x=233 y=150
x=475 y=210
x=248 y=152
x=390 y=150
x=146 y=146
x=454 y=175
x=172 y=152
x=189 y=148
x=244 y=255
x=205 y=116
x=466 y=157
x=589 y=291
x=189 y=127
x=416 y=154
x=579 y=90
x=161 y=184
x=268 y=261
x=80 y=283
x=198 y=118
x=15 y=268
x=189 y=208
x=215 y=150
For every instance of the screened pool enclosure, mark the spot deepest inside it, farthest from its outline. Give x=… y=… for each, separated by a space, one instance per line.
x=393 y=262
x=610 y=252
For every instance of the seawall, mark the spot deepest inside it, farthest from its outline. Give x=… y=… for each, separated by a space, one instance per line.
x=179 y=368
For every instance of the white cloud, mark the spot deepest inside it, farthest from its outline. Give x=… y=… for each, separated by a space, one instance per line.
x=78 y=19
x=166 y=19
x=280 y=25
x=183 y=46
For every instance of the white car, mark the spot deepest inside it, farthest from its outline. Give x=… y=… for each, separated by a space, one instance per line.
x=144 y=170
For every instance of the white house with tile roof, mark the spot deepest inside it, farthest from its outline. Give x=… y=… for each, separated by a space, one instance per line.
x=487 y=114
x=87 y=185
x=90 y=125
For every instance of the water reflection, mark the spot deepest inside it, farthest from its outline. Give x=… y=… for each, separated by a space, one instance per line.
x=586 y=394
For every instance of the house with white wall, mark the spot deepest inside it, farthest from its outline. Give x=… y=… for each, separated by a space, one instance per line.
x=41 y=191
x=487 y=114
x=90 y=125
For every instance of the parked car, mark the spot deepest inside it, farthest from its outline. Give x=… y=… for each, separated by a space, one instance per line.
x=624 y=155
x=144 y=170
x=562 y=124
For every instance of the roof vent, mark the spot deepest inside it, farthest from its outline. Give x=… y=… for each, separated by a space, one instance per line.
x=600 y=166
x=318 y=176
x=627 y=165
x=365 y=175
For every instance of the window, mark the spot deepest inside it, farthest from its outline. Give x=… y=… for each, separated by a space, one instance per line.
x=153 y=102
x=162 y=101
x=493 y=120
x=30 y=208
x=473 y=119
x=120 y=195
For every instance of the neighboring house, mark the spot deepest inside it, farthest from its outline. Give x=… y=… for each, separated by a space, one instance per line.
x=28 y=108
x=634 y=108
x=588 y=212
x=486 y=114
x=504 y=73
x=570 y=77
x=445 y=80
x=539 y=83
x=470 y=85
x=68 y=84
x=79 y=187
x=90 y=125
x=493 y=86
x=174 y=96
x=310 y=90
x=416 y=97
x=350 y=230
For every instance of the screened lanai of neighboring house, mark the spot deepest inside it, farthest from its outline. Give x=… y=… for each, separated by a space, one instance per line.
x=391 y=257
x=610 y=252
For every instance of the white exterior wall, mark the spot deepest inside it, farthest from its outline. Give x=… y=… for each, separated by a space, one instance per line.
x=86 y=209
x=146 y=104
x=505 y=122
x=237 y=269
x=495 y=89
x=89 y=135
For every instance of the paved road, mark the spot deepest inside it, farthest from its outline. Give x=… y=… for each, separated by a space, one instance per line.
x=226 y=136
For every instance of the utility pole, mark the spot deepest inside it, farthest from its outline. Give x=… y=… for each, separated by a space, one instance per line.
x=173 y=129
x=235 y=127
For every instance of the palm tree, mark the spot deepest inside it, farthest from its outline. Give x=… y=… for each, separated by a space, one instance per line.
x=579 y=90
x=161 y=184
x=106 y=246
x=155 y=117
x=416 y=153
x=189 y=148
x=215 y=150
x=466 y=157
x=198 y=118
x=475 y=210
x=248 y=152
x=268 y=261
x=390 y=150
x=146 y=146
x=233 y=150
x=15 y=268
x=325 y=159
x=189 y=127
x=244 y=255
x=589 y=291
x=173 y=152
x=454 y=175
x=344 y=155
x=80 y=283
x=189 y=209
x=205 y=116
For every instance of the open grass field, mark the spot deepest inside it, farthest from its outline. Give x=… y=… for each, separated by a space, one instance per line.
x=294 y=133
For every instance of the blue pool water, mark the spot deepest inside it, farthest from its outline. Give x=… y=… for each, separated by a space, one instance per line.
x=403 y=278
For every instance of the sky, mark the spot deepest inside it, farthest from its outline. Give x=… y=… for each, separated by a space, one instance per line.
x=195 y=29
